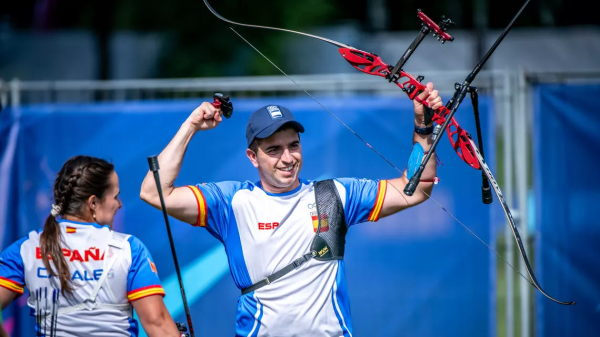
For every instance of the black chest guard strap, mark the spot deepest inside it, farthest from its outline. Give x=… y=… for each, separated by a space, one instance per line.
x=330 y=238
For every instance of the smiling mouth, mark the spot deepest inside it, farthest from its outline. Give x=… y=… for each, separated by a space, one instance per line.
x=287 y=168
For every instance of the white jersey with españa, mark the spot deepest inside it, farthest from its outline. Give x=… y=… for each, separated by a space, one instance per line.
x=87 y=247
x=264 y=232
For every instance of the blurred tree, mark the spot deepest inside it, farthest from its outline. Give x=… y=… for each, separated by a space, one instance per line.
x=199 y=44
x=102 y=24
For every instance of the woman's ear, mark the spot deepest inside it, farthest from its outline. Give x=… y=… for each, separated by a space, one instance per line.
x=92 y=202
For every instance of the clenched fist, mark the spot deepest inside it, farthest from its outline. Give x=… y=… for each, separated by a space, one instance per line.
x=205 y=117
x=433 y=100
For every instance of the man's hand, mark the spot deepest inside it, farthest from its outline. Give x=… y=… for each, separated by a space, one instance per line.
x=205 y=117
x=433 y=99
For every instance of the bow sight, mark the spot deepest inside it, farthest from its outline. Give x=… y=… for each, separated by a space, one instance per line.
x=427 y=26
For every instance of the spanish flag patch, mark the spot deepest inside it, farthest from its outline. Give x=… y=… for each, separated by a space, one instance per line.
x=71 y=230
x=324 y=222
x=152 y=266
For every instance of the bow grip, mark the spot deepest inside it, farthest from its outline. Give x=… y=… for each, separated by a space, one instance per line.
x=413 y=86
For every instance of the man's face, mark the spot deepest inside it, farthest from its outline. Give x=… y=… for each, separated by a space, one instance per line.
x=278 y=160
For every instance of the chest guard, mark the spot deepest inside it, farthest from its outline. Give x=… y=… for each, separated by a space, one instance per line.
x=330 y=238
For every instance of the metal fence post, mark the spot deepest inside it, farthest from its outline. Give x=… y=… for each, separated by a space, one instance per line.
x=507 y=135
x=15 y=95
x=3 y=95
x=522 y=172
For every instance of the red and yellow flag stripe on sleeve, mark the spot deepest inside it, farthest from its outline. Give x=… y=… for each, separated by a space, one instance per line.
x=381 y=189
x=11 y=285
x=145 y=292
x=202 y=214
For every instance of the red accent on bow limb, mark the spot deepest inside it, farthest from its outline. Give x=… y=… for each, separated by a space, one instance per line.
x=459 y=138
x=373 y=65
x=367 y=63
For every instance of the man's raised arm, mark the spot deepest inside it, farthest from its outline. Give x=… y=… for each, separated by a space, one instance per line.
x=180 y=201
x=395 y=199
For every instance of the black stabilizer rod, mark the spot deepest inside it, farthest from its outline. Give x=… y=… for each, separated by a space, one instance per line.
x=154 y=167
x=486 y=190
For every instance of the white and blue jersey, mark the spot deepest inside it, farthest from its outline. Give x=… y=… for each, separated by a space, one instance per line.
x=264 y=232
x=90 y=251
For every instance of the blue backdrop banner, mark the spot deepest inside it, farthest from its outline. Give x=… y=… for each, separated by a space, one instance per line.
x=417 y=273
x=567 y=191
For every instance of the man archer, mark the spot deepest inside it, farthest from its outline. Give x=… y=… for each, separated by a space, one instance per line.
x=286 y=258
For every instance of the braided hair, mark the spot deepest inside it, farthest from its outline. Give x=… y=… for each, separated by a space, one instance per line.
x=80 y=178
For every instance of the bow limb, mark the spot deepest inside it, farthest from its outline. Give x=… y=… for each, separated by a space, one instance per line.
x=512 y=225
x=339 y=44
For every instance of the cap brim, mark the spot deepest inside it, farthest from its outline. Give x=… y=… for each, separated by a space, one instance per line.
x=274 y=127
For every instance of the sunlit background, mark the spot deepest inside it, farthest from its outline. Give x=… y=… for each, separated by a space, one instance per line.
x=116 y=79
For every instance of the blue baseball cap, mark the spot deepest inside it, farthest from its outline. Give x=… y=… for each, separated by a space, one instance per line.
x=268 y=119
